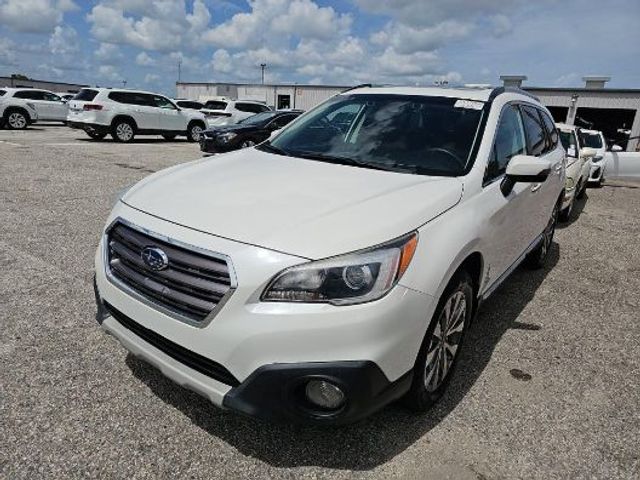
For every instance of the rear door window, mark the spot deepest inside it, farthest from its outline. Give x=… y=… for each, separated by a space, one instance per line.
x=536 y=133
x=215 y=105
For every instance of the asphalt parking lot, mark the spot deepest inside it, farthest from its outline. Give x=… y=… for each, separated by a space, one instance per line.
x=548 y=385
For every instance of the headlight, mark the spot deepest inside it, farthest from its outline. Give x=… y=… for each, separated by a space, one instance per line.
x=570 y=183
x=227 y=137
x=357 y=277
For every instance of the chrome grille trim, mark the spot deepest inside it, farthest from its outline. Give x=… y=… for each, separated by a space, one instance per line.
x=193 y=290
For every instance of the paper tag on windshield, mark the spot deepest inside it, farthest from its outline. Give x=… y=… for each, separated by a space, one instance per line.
x=469 y=104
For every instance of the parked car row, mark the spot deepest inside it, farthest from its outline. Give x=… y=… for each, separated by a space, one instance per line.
x=336 y=266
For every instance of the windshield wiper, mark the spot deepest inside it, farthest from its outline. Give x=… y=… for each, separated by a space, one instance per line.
x=268 y=147
x=345 y=161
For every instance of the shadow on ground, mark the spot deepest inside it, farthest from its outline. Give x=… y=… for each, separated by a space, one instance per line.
x=145 y=140
x=378 y=439
x=578 y=207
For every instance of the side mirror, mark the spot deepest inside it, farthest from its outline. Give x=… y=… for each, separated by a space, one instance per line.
x=588 y=152
x=524 y=169
x=616 y=148
x=274 y=133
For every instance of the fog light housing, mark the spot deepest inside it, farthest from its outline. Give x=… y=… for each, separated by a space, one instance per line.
x=324 y=394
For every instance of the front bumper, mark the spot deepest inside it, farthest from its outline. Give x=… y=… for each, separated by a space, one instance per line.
x=211 y=145
x=269 y=349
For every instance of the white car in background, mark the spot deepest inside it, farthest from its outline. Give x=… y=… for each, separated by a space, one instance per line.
x=50 y=107
x=578 y=167
x=595 y=139
x=188 y=104
x=335 y=267
x=127 y=113
x=230 y=112
x=16 y=113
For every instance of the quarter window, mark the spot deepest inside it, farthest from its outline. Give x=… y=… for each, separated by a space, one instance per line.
x=510 y=141
x=536 y=133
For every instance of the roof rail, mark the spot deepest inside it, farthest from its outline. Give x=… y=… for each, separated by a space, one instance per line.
x=500 y=90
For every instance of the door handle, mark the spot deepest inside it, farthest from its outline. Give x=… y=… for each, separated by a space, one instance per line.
x=535 y=187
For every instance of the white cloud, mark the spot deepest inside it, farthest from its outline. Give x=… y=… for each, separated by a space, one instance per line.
x=408 y=39
x=33 y=16
x=274 y=20
x=151 y=78
x=7 y=52
x=501 y=25
x=64 y=41
x=161 y=25
x=145 y=60
x=109 y=73
x=108 y=54
x=221 y=61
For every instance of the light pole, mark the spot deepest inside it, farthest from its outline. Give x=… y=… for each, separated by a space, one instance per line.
x=263 y=66
x=124 y=84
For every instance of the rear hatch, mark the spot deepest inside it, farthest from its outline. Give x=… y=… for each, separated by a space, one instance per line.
x=86 y=95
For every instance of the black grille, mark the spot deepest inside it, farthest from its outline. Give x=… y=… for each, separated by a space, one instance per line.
x=192 y=284
x=187 y=357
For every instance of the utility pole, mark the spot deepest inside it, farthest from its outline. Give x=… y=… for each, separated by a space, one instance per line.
x=263 y=66
x=124 y=84
x=179 y=69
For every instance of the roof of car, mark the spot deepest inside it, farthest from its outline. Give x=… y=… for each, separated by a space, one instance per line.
x=127 y=90
x=479 y=94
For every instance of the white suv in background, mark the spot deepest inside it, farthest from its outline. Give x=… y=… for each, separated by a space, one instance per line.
x=595 y=139
x=337 y=266
x=578 y=167
x=16 y=113
x=229 y=112
x=127 y=113
x=50 y=107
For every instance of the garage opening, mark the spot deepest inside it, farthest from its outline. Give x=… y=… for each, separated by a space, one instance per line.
x=284 y=101
x=559 y=114
x=614 y=123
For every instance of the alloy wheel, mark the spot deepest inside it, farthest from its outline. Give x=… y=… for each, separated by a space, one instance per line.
x=124 y=131
x=445 y=341
x=17 y=121
x=196 y=132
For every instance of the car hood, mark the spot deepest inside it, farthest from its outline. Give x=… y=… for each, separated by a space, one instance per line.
x=302 y=207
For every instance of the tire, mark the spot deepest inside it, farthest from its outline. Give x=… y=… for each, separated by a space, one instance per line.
x=169 y=137
x=565 y=214
x=194 y=131
x=95 y=134
x=123 y=131
x=247 y=144
x=537 y=258
x=439 y=353
x=16 y=120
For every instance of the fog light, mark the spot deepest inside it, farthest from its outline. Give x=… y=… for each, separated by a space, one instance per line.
x=324 y=394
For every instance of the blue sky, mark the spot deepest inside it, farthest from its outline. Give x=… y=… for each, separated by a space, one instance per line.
x=343 y=42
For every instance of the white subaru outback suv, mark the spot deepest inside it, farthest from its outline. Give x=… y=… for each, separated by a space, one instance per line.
x=16 y=113
x=127 y=113
x=336 y=267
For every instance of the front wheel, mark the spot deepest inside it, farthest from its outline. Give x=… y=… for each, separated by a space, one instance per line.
x=194 y=132
x=538 y=256
x=441 y=346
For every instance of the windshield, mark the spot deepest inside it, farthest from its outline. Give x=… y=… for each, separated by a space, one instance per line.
x=405 y=133
x=258 y=118
x=592 y=140
x=215 y=105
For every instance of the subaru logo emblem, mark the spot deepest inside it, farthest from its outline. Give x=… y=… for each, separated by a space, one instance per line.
x=154 y=258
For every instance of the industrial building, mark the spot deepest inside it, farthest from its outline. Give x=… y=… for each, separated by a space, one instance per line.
x=57 y=87
x=614 y=111
x=282 y=96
